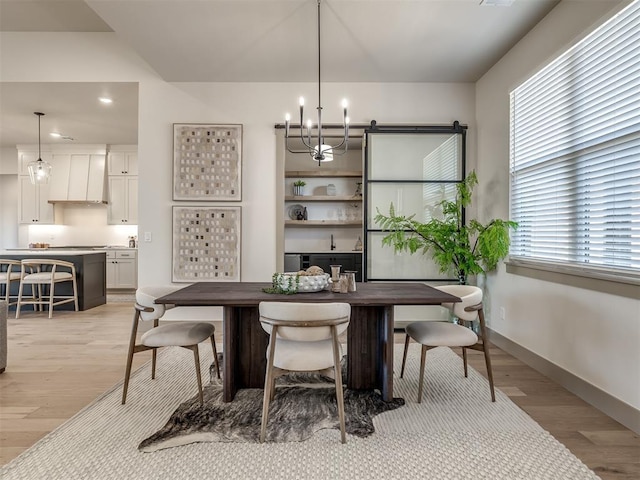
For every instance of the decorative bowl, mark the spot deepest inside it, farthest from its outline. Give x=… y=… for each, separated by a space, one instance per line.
x=306 y=283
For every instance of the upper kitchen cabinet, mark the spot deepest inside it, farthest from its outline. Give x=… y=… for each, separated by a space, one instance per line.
x=123 y=160
x=34 y=206
x=123 y=185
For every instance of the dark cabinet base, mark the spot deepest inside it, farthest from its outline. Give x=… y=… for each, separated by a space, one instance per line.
x=348 y=261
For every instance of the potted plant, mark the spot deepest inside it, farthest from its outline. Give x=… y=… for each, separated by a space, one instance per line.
x=463 y=249
x=298 y=187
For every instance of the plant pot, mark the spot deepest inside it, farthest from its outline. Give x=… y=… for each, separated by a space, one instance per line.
x=298 y=190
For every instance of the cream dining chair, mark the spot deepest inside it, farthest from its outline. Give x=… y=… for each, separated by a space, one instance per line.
x=176 y=334
x=303 y=337
x=446 y=334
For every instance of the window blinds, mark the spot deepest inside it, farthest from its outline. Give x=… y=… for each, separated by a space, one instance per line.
x=575 y=153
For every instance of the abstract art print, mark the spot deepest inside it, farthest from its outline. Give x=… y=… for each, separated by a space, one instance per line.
x=206 y=244
x=207 y=162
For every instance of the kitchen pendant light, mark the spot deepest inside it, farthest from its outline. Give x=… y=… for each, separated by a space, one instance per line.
x=316 y=146
x=39 y=170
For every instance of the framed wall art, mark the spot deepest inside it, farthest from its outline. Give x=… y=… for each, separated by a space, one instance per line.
x=206 y=244
x=207 y=162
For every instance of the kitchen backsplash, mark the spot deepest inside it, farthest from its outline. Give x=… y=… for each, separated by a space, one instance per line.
x=83 y=225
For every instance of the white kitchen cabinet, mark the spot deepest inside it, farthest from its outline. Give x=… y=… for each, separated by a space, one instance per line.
x=122 y=269
x=123 y=200
x=34 y=206
x=123 y=162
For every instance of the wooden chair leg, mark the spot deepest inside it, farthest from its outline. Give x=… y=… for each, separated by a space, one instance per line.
x=338 y=380
x=132 y=343
x=423 y=356
x=485 y=348
x=51 y=295
x=154 y=358
x=404 y=355
x=464 y=361
x=215 y=356
x=267 y=385
x=196 y=358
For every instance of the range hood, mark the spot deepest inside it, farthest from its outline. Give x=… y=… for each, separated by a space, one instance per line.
x=79 y=178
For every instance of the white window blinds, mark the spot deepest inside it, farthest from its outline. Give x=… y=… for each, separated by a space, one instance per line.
x=575 y=153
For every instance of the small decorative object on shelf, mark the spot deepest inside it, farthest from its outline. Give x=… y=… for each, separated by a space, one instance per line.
x=358 y=246
x=358 y=192
x=298 y=188
x=331 y=190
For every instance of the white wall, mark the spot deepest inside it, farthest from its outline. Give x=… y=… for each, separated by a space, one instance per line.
x=590 y=334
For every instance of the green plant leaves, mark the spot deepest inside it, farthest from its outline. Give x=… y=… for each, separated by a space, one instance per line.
x=461 y=249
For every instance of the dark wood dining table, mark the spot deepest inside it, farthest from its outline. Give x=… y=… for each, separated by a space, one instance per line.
x=369 y=336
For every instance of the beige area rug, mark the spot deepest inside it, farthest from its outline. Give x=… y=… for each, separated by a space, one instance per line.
x=456 y=433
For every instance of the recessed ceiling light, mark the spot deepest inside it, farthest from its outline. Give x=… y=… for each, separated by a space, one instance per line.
x=105 y=100
x=55 y=134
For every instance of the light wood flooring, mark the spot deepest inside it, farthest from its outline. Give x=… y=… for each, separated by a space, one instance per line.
x=57 y=366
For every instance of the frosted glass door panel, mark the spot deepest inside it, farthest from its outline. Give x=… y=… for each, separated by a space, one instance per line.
x=421 y=199
x=397 y=266
x=410 y=156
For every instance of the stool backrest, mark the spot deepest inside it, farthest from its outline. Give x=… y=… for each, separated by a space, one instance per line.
x=297 y=321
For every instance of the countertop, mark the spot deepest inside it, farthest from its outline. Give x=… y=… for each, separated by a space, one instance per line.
x=52 y=252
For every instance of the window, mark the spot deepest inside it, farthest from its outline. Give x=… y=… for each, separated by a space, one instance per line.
x=575 y=154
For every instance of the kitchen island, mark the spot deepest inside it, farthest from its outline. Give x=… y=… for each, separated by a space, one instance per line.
x=90 y=271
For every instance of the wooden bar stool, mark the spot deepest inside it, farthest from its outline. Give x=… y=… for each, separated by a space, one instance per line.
x=9 y=272
x=37 y=277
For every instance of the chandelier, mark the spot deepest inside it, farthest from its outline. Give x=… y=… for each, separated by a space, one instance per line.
x=316 y=146
x=39 y=170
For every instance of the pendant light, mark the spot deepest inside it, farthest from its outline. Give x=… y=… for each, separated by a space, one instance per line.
x=39 y=170
x=316 y=147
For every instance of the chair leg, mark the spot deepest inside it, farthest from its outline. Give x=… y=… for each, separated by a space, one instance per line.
x=196 y=358
x=132 y=343
x=338 y=380
x=423 y=356
x=464 y=361
x=215 y=356
x=75 y=293
x=267 y=385
x=52 y=289
x=154 y=357
x=404 y=355
x=485 y=348
x=20 y=287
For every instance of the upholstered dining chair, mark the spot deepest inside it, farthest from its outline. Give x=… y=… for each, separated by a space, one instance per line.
x=42 y=274
x=175 y=334
x=303 y=337
x=446 y=334
x=9 y=272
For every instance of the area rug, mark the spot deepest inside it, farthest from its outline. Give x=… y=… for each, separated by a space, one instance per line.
x=456 y=433
x=303 y=404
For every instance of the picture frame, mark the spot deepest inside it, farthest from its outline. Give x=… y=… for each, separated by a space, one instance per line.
x=207 y=162
x=206 y=244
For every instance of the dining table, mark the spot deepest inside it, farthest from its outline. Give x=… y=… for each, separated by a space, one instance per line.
x=369 y=359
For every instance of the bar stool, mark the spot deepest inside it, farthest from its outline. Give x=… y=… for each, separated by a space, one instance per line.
x=9 y=272
x=61 y=271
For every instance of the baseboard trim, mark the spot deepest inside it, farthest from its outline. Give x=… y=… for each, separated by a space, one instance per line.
x=603 y=401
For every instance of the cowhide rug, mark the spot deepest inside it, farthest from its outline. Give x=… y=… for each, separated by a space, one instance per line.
x=295 y=413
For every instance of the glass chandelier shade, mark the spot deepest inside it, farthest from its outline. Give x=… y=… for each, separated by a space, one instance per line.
x=39 y=170
x=315 y=144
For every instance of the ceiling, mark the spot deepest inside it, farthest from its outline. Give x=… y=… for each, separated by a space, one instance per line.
x=256 y=41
